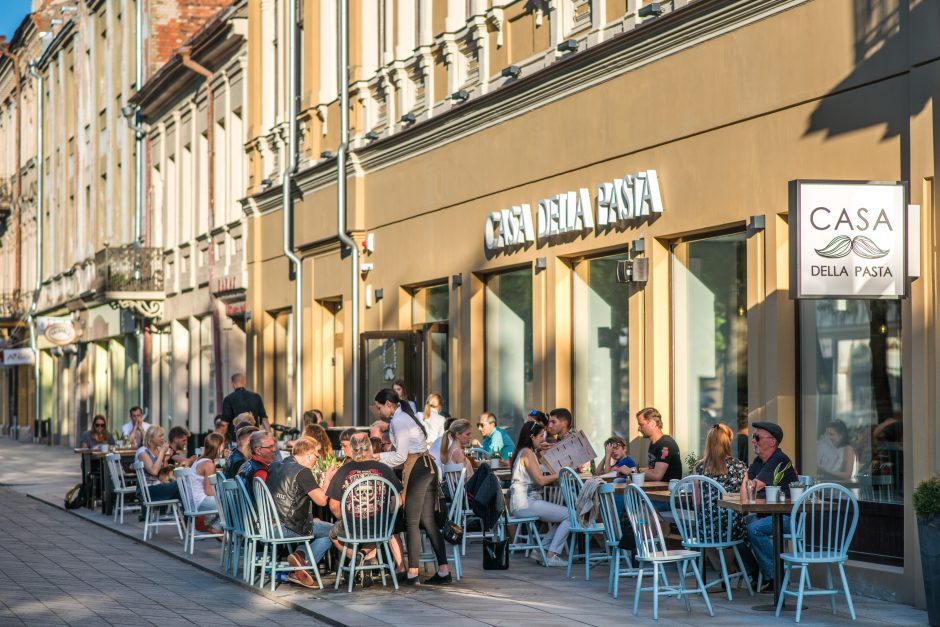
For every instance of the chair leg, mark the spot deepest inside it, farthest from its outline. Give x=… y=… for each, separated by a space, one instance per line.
x=682 y=569
x=848 y=594
x=832 y=597
x=339 y=569
x=273 y=567
x=571 y=544
x=701 y=586
x=724 y=573
x=639 y=586
x=352 y=567
x=747 y=580
x=391 y=563
x=587 y=557
x=799 y=592
x=534 y=530
x=655 y=594
x=783 y=588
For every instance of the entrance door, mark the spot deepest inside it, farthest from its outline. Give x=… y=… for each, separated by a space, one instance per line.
x=431 y=362
x=384 y=357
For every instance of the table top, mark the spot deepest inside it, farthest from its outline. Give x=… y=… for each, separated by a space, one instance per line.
x=95 y=453
x=733 y=502
x=659 y=495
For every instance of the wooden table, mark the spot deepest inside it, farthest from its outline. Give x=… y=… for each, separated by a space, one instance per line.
x=648 y=486
x=103 y=474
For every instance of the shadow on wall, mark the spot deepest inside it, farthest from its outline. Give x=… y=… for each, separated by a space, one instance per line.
x=884 y=32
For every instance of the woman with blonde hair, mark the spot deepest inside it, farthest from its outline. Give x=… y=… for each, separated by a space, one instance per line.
x=719 y=464
x=452 y=442
x=154 y=455
x=431 y=417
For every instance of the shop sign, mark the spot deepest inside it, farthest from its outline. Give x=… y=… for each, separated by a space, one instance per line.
x=633 y=197
x=848 y=239
x=16 y=357
x=58 y=331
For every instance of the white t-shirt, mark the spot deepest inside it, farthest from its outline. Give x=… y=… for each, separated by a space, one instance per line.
x=129 y=426
x=434 y=424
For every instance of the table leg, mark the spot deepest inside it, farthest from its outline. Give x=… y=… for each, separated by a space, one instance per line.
x=778 y=563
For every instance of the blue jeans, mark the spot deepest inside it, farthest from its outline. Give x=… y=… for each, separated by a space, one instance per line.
x=164 y=492
x=319 y=545
x=760 y=537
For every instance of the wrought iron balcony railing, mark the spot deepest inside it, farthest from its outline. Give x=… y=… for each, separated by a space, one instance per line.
x=131 y=278
x=11 y=306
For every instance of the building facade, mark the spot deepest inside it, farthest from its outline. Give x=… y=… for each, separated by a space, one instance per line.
x=507 y=155
x=196 y=219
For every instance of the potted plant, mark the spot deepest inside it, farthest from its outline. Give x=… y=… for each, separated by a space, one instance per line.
x=690 y=461
x=796 y=490
x=772 y=492
x=927 y=509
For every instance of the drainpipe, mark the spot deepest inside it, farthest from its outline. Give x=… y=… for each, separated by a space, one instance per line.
x=185 y=53
x=287 y=208
x=15 y=60
x=341 y=154
x=139 y=183
x=31 y=318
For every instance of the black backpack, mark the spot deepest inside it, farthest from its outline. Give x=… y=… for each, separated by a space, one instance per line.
x=75 y=497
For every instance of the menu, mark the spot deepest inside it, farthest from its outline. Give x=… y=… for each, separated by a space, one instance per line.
x=573 y=452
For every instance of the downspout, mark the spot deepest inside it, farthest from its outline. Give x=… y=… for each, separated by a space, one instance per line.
x=185 y=53
x=15 y=60
x=31 y=318
x=341 y=153
x=287 y=212
x=139 y=184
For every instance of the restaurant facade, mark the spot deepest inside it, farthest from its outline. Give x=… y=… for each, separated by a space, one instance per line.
x=493 y=223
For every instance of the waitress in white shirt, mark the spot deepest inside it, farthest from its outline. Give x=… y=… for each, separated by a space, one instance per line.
x=420 y=478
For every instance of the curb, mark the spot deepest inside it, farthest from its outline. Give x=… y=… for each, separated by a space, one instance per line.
x=271 y=597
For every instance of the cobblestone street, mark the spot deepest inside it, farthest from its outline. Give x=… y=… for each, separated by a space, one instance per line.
x=57 y=569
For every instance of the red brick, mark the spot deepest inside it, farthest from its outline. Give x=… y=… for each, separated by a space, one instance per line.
x=173 y=22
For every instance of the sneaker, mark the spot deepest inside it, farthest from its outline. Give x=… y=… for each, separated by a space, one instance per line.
x=555 y=562
x=767 y=587
x=535 y=555
x=300 y=577
x=405 y=580
x=438 y=580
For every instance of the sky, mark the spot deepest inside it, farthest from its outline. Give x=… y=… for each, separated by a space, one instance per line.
x=12 y=13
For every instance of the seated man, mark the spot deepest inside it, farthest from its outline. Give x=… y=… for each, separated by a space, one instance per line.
x=616 y=458
x=768 y=459
x=242 y=452
x=495 y=440
x=263 y=453
x=179 y=439
x=361 y=464
x=294 y=489
x=662 y=459
x=134 y=429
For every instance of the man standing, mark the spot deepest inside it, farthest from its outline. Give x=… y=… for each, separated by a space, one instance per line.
x=293 y=489
x=242 y=400
x=768 y=461
x=135 y=428
x=662 y=461
x=263 y=453
x=495 y=440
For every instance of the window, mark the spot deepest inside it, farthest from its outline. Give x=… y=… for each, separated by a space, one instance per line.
x=283 y=366
x=709 y=339
x=430 y=304
x=601 y=350
x=508 y=350
x=851 y=413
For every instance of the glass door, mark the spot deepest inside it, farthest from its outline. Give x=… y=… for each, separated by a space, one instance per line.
x=384 y=357
x=431 y=362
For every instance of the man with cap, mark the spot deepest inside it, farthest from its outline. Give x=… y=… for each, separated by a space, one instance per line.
x=768 y=459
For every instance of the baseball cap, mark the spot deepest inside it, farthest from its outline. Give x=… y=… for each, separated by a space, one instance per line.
x=770 y=427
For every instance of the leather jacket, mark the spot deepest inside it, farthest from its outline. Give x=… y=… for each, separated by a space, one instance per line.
x=291 y=502
x=247 y=472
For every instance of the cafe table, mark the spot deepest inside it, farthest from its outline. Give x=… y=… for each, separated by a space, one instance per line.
x=92 y=458
x=776 y=510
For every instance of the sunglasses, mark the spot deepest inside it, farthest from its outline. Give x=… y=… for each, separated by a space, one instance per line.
x=99 y=424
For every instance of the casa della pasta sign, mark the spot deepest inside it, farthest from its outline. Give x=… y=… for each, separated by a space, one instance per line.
x=848 y=239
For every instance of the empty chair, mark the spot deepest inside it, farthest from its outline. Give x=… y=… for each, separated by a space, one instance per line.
x=152 y=518
x=652 y=554
x=612 y=535
x=272 y=537
x=369 y=508
x=190 y=534
x=822 y=523
x=571 y=486
x=704 y=525
x=119 y=487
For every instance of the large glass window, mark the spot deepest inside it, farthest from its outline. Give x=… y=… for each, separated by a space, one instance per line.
x=509 y=389
x=430 y=304
x=601 y=350
x=851 y=418
x=710 y=340
x=430 y=309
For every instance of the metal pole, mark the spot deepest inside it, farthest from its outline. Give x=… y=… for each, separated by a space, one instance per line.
x=341 y=155
x=31 y=319
x=287 y=211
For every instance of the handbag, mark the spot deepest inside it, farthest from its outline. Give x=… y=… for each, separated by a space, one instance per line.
x=452 y=532
x=496 y=552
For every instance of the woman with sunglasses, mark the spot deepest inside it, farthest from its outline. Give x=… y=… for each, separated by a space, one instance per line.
x=526 y=491
x=97 y=435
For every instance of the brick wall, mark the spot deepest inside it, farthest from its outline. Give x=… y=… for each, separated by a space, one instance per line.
x=172 y=22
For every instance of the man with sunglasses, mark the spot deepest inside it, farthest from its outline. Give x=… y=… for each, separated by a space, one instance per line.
x=768 y=458
x=97 y=435
x=495 y=439
x=263 y=453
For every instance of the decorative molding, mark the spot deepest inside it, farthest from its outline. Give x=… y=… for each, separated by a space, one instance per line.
x=147 y=309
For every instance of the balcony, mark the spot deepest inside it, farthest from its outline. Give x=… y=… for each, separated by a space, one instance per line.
x=11 y=307
x=131 y=278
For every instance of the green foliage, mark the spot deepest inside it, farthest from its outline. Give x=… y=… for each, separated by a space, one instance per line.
x=927 y=499
x=691 y=460
x=780 y=474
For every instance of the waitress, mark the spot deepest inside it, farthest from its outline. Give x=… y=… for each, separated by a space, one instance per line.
x=421 y=481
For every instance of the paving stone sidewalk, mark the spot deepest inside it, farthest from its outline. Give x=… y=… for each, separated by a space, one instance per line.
x=58 y=569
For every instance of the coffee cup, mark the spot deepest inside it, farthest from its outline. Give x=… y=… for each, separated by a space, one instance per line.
x=494 y=462
x=638 y=478
x=105 y=448
x=672 y=484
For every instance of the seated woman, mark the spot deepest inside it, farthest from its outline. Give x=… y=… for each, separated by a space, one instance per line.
x=837 y=460
x=318 y=433
x=97 y=435
x=457 y=436
x=729 y=471
x=203 y=468
x=154 y=455
x=525 y=491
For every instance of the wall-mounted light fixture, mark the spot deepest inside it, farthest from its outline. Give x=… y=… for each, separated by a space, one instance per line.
x=638 y=246
x=541 y=263
x=653 y=9
x=461 y=95
x=327 y=154
x=379 y=294
x=513 y=71
x=568 y=45
x=456 y=280
x=371 y=136
x=408 y=118
x=756 y=223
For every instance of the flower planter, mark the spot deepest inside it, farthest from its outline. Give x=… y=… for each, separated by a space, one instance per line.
x=929 y=536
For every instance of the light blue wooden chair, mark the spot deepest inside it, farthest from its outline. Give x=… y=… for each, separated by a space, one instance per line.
x=153 y=520
x=704 y=525
x=452 y=477
x=190 y=513
x=231 y=524
x=251 y=533
x=652 y=554
x=272 y=537
x=612 y=535
x=455 y=515
x=571 y=486
x=822 y=523
x=369 y=507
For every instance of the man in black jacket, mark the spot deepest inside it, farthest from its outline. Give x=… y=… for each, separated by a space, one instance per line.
x=242 y=400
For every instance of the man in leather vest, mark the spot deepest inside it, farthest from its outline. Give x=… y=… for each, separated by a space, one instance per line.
x=293 y=488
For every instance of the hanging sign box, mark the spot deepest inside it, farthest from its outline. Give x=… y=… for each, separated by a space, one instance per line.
x=16 y=357
x=848 y=239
